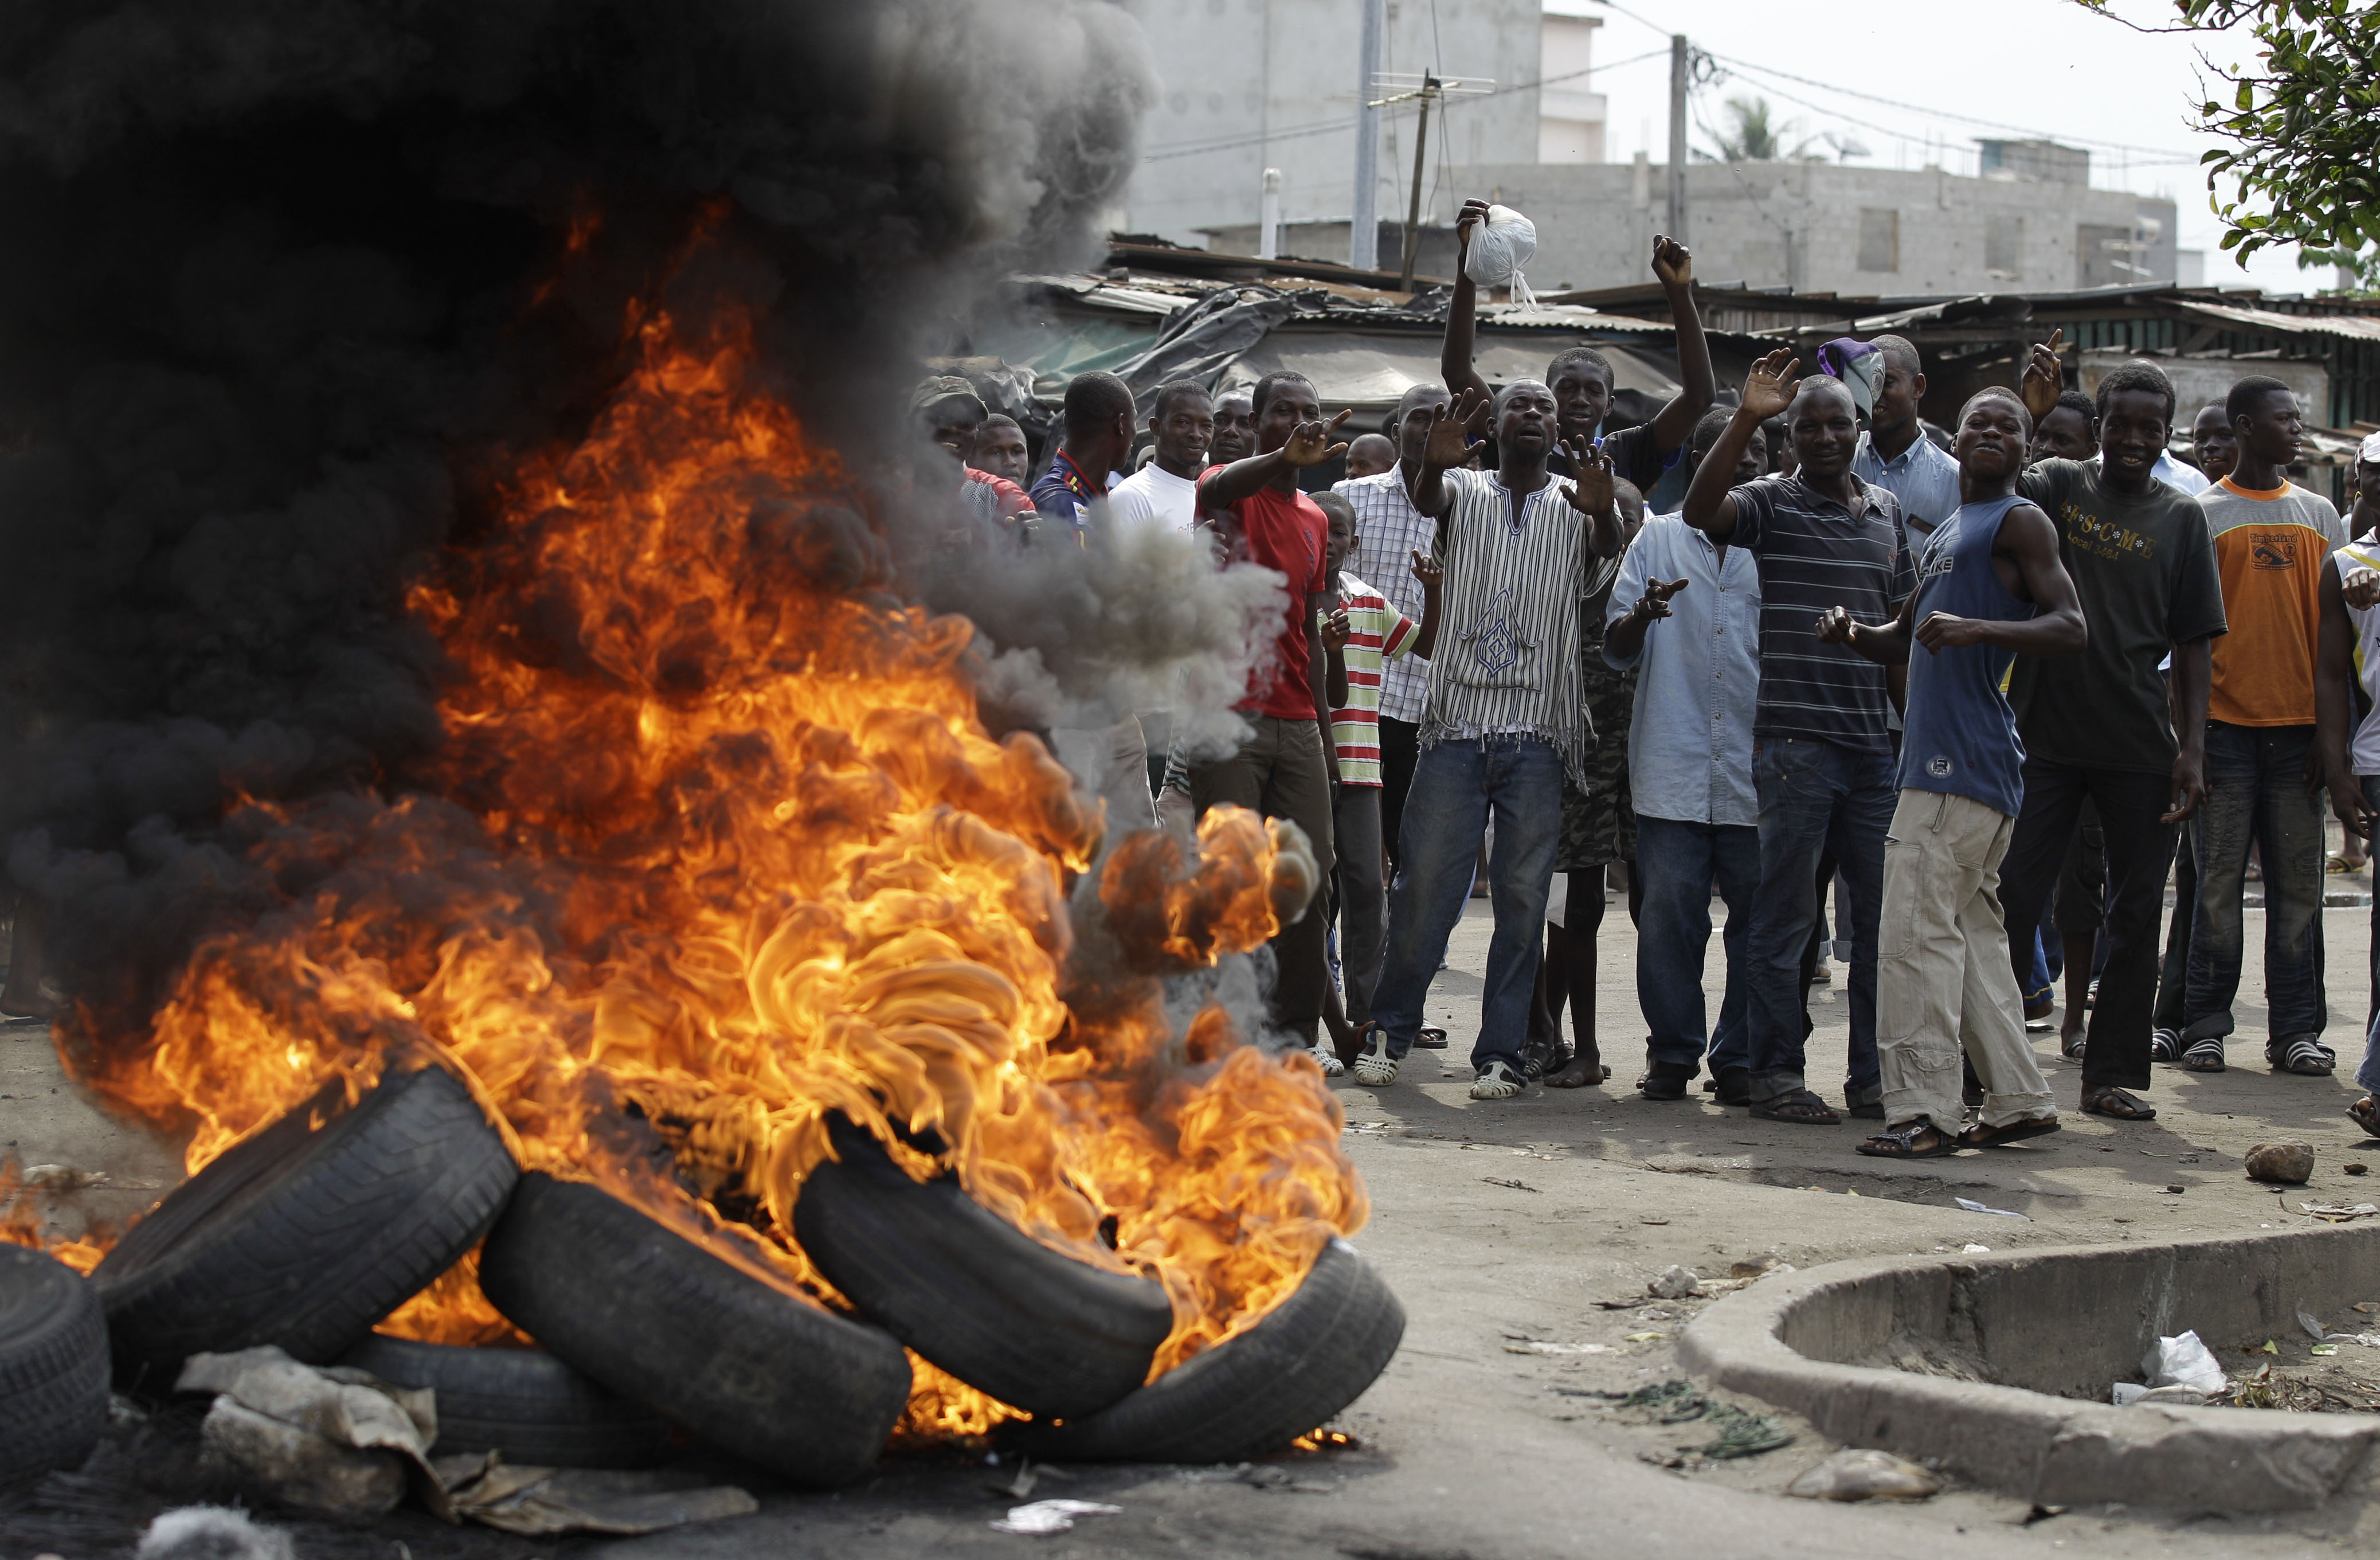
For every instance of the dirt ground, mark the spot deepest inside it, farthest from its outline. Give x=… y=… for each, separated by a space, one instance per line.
x=1521 y=1237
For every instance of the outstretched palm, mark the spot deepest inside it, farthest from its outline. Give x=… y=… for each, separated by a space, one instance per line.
x=1309 y=444
x=1769 y=387
x=1591 y=491
x=2044 y=376
x=1451 y=429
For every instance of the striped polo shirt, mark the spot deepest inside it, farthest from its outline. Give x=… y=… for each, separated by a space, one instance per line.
x=1377 y=632
x=1506 y=660
x=1814 y=554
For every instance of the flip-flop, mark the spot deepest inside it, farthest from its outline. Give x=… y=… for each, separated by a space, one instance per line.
x=1903 y=1143
x=2126 y=1108
x=1798 y=1106
x=1981 y=1136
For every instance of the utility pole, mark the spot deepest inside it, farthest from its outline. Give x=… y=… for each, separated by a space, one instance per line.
x=1269 y=217
x=1364 y=228
x=1680 y=57
x=1428 y=95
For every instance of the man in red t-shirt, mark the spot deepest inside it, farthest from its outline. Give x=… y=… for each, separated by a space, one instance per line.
x=1282 y=769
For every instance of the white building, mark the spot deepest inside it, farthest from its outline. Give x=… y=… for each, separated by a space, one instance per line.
x=1258 y=84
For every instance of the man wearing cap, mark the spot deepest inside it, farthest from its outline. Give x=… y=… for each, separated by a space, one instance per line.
x=949 y=412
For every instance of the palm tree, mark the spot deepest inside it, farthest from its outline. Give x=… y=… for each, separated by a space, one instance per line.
x=1758 y=137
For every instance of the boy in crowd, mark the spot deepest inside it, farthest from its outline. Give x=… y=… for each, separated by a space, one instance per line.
x=1376 y=632
x=1505 y=720
x=1989 y=588
x=1822 y=763
x=1682 y=614
x=1598 y=828
x=1165 y=490
x=1000 y=449
x=1894 y=453
x=2102 y=724
x=1389 y=530
x=1280 y=769
x=2350 y=748
x=2271 y=540
x=1371 y=456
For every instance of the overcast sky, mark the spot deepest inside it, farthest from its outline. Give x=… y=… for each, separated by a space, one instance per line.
x=2045 y=66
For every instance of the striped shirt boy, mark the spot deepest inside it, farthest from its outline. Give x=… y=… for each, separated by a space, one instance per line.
x=1377 y=632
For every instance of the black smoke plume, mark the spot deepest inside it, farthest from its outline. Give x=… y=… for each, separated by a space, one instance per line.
x=284 y=289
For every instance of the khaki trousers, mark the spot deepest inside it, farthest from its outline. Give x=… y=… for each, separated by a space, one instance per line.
x=1944 y=984
x=1111 y=764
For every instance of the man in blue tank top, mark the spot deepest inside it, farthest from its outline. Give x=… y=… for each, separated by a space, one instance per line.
x=1990 y=586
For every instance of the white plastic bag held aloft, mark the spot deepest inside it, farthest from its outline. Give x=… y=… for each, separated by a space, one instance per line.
x=1500 y=246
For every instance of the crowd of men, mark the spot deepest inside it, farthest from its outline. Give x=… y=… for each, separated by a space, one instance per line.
x=1995 y=694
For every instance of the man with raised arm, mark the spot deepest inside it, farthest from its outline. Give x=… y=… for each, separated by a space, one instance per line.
x=1822 y=763
x=1505 y=719
x=1989 y=588
x=2100 y=724
x=1282 y=769
x=1580 y=378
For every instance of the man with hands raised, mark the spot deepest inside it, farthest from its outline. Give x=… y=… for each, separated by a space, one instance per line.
x=1283 y=770
x=1989 y=587
x=1823 y=760
x=1504 y=721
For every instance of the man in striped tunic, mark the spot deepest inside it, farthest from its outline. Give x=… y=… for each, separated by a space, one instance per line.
x=1504 y=722
x=1822 y=759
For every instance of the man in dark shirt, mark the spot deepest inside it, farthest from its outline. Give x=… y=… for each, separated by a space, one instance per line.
x=1098 y=421
x=2101 y=725
x=1822 y=755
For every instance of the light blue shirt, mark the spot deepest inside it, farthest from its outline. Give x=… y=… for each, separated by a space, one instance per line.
x=1690 y=747
x=1922 y=477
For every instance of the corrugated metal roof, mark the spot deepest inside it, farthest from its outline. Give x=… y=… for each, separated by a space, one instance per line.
x=2362 y=327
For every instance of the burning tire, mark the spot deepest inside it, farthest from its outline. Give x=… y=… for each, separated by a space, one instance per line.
x=971 y=1293
x=52 y=1365
x=522 y=1402
x=1255 y=1393
x=304 y=1238
x=664 y=1323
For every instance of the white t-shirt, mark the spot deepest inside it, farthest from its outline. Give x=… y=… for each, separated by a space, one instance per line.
x=1153 y=496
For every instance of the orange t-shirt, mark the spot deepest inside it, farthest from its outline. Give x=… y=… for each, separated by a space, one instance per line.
x=2269 y=547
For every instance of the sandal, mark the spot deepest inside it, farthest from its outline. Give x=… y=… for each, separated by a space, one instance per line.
x=1799 y=1106
x=2365 y=1113
x=1428 y=1039
x=2114 y=1103
x=1983 y=1136
x=2165 y=1046
x=1903 y=1144
x=2072 y=1048
x=2203 y=1056
x=2306 y=1057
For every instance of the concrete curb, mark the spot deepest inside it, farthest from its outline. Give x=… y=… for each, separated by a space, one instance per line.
x=2068 y=1320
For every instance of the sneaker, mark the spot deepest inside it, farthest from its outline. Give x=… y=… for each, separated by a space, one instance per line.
x=1375 y=1068
x=1328 y=1060
x=1495 y=1081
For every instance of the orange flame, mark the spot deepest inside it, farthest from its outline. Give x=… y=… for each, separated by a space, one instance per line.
x=717 y=847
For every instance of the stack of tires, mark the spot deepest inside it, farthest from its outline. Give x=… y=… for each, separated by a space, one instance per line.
x=306 y=1235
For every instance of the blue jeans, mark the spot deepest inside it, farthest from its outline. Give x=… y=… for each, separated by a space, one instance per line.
x=2256 y=789
x=1455 y=785
x=1676 y=862
x=2367 y=1077
x=1816 y=799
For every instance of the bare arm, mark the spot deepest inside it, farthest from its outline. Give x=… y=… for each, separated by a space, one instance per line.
x=1317 y=679
x=1432 y=576
x=1674 y=424
x=1462 y=326
x=2193 y=681
x=2044 y=376
x=1625 y=637
x=1335 y=633
x=2058 y=628
x=2334 y=706
x=1309 y=445
x=1767 y=390
x=1887 y=644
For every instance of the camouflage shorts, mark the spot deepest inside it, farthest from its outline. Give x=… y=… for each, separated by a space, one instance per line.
x=1599 y=824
